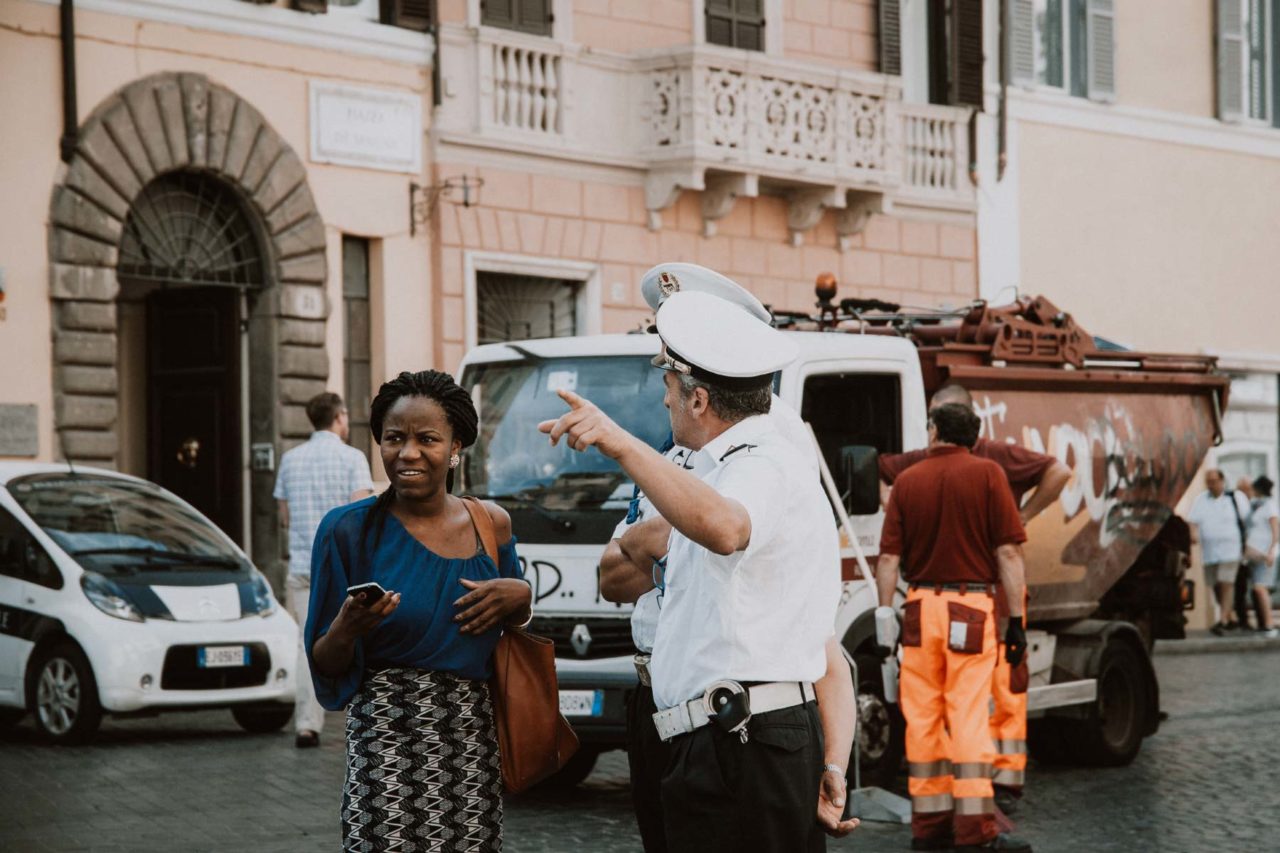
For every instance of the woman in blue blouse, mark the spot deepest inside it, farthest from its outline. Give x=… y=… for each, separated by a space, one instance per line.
x=423 y=771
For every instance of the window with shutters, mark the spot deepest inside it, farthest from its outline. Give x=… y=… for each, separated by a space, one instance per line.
x=409 y=14
x=955 y=52
x=1067 y=45
x=365 y=9
x=735 y=23
x=356 y=351
x=1247 y=32
x=526 y=16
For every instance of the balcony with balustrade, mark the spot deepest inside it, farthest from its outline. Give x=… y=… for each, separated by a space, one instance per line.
x=728 y=123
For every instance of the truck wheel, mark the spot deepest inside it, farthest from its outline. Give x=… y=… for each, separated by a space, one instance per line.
x=881 y=737
x=1047 y=742
x=574 y=772
x=64 y=695
x=262 y=719
x=1112 y=733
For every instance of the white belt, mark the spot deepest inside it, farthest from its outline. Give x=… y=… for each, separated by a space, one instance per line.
x=762 y=698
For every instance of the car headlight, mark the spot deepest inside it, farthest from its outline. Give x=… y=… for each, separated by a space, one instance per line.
x=108 y=597
x=260 y=599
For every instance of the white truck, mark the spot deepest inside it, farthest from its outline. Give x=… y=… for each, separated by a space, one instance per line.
x=1105 y=565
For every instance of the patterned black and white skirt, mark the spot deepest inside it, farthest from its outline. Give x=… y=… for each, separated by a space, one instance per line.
x=423 y=772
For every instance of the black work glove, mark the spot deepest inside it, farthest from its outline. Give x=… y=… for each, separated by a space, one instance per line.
x=1015 y=641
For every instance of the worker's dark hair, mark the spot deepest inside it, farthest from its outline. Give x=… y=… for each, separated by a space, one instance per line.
x=956 y=424
x=323 y=409
x=1263 y=486
x=459 y=410
x=952 y=393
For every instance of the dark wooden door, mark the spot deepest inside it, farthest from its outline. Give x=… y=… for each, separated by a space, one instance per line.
x=193 y=400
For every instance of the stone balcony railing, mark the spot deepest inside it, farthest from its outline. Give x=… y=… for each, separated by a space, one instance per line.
x=725 y=122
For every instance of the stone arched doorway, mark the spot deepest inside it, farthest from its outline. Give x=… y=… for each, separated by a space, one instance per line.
x=156 y=135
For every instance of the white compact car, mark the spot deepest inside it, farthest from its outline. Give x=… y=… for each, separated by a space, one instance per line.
x=118 y=597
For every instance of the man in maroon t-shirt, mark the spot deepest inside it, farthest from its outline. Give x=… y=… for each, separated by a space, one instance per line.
x=952 y=527
x=1026 y=471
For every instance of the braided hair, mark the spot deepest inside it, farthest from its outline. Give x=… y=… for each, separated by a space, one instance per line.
x=459 y=410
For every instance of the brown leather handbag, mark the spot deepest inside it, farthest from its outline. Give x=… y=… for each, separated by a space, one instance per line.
x=534 y=738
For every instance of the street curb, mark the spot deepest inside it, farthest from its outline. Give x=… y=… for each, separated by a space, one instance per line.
x=1211 y=644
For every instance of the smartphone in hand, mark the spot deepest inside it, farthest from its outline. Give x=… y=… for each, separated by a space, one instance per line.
x=366 y=594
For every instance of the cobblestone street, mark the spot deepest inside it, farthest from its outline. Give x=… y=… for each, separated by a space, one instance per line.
x=1208 y=781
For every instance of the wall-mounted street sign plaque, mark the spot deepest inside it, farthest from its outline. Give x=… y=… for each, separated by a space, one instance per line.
x=370 y=128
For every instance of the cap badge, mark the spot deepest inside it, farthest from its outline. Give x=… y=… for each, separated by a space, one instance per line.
x=668 y=283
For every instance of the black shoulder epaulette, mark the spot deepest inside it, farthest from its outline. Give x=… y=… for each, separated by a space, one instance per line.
x=735 y=449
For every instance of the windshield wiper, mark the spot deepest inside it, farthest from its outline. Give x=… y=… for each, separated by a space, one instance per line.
x=529 y=500
x=159 y=553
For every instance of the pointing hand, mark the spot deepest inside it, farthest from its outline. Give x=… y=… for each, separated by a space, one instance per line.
x=585 y=426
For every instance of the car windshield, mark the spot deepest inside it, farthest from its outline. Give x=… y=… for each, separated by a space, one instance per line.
x=113 y=522
x=512 y=459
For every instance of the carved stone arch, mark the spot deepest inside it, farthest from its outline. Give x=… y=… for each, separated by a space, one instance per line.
x=154 y=126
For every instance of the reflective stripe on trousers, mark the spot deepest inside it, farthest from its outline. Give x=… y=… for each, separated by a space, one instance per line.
x=1008 y=724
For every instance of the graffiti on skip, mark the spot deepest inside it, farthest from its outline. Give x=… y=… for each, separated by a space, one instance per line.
x=1123 y=477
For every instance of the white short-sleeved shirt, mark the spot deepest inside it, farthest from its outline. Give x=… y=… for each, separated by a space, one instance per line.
x=315 y=477
x=765 y=613
x=1218 y=525
x=1258 y=525
x=644 y=617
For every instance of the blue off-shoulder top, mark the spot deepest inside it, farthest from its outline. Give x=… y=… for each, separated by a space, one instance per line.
x=420 y=632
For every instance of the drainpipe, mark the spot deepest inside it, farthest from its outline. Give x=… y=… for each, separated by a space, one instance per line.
x=70 y=122
x=1002 y=149
x=436 y=98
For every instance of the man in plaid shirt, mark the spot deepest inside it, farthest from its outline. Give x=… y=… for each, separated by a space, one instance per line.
x=315 y=477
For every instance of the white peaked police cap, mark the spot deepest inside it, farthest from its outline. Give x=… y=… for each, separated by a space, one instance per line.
x=712 y=339
x=665 y=280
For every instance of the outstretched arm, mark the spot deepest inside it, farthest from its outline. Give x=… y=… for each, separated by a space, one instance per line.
x=715 y=522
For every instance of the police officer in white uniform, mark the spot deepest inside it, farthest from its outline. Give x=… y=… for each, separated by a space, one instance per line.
x=751 y=586
x=636 y=577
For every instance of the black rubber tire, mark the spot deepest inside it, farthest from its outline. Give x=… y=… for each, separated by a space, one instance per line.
x=262 y=719
x=1111 y=735
x=575 y=772
x=60 y=678
x=881 y=740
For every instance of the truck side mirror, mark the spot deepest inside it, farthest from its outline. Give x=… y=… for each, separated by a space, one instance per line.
x=860 y=479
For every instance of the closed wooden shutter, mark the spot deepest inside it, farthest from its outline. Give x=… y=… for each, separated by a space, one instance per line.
x=315 y=7
x=967 y=29
x=1101 y=46
x=1021 y=30
x=891 y=37
x=527 y=16
x=1230 y=49
x=736 y=23
x=409 y=14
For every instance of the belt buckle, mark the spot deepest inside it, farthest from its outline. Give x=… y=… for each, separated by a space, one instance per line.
x=728 y=704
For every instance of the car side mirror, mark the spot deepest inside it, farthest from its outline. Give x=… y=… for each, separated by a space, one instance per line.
x=39 y=567
x=860 y=479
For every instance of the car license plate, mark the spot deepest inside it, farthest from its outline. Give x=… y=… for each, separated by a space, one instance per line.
x=211 y=657
x=581 y=703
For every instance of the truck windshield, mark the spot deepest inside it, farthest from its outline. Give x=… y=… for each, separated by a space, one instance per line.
x=511 y=460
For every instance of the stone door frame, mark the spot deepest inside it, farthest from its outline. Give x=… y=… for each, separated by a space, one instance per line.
x=158 y=124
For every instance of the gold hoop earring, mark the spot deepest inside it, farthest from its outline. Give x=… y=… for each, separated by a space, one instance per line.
x=454 y=460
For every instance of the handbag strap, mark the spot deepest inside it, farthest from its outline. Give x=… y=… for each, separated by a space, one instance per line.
x=483 y=524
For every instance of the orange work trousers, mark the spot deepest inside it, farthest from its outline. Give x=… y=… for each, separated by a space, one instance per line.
x=948 y=659
x=1009 y=717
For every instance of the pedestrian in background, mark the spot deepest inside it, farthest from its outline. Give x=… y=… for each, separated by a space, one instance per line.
x=314 y=477
x=413 y=663
x=1217 y=518
x=953 y=528
x=1262 y=537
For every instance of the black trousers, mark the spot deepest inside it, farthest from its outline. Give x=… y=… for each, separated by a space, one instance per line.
x=720 y=794
x=648 y=757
